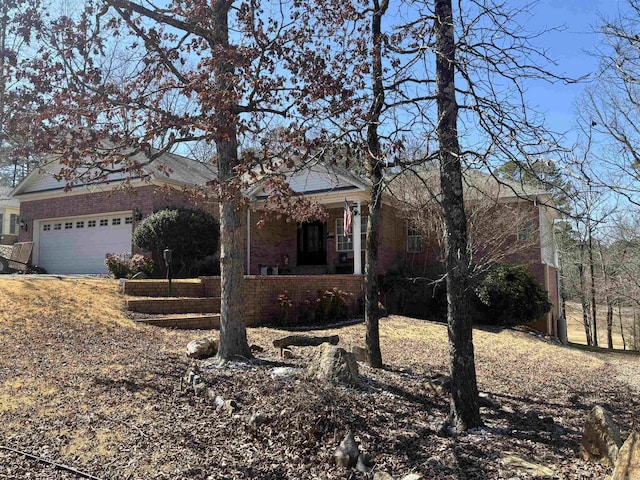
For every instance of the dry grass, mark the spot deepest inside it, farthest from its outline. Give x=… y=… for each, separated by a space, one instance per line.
x=575 y=327
x=83 y=385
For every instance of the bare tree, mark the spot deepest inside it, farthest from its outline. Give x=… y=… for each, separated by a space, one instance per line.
x=611 y=106
x=196 y=71
x=17 y=115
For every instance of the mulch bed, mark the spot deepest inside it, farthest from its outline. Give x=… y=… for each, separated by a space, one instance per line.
x=108 y=401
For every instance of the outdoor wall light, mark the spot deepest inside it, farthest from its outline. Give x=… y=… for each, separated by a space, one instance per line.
x=137 y=214
x=24 y=223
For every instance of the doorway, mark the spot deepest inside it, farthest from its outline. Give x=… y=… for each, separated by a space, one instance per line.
x=312 y=243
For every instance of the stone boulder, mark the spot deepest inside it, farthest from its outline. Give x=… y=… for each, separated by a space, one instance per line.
x=347 y=453
x=202 y=348
x=360 y=353
x=519 y=465
x=601 y=438
x=334 y=364
x=628 y=463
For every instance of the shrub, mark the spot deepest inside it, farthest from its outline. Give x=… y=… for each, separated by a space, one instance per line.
x=509 y=295
x=191 y=234
x=118 y=265
x=125 y=266
x=141 y=264
x=417 y=296
x=329 y=306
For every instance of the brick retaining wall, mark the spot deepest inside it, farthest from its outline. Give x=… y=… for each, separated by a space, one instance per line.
x=159 y=288
x=260 y=293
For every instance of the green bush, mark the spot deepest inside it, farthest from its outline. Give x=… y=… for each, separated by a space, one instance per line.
x=419 y=297
x=191 y=234
x=509 y=295
x=126 y=266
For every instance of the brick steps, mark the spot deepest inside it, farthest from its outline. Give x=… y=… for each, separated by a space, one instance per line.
x=160 y=288
x=169 y=305
x=184 y=322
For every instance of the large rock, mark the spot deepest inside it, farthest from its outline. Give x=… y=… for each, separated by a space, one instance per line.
x=334 y=364
x=519 y=465
x=601 y=438
x=628 y=463
x=202 y=348
x=347 y=453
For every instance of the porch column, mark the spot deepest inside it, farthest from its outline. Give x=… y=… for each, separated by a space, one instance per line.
x=248 y=241
x=357 y=242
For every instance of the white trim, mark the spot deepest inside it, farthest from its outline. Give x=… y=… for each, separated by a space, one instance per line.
x=248 y=241
x=357 y=239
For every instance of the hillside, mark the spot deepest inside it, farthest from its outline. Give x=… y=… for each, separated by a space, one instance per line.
x=82 y=385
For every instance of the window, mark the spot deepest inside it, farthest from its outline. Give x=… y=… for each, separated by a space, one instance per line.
x=363 y=231
x=344 y=243
x=1 y=222
x=80 y=224
x=525 y=232
x=128 y=220
x=91 y=223
x=104 y=222
x=115 y=221
x=46 y=227
x=414 y=240
x=57 y=226
x=13 y=224
x=68 y=225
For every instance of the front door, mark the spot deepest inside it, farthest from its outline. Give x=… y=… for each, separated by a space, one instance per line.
x=312 y=243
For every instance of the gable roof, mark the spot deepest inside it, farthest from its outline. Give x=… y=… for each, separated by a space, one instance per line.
x=320 y=178
x=168 y=168
x=5 y=198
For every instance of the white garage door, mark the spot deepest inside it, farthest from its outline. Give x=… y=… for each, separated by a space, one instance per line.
x=79 y=245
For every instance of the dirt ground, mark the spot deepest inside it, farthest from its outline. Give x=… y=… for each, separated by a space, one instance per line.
x=84 y=386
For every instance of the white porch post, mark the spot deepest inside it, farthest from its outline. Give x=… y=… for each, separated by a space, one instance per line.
x=248 y=241
x=357 y=242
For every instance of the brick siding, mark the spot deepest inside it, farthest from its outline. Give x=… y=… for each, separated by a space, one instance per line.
x=174 y=305
x=147 y=199
x=260 y=293
x=160 y=288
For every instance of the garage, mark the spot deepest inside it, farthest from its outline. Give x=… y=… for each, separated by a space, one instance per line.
x=79 y=244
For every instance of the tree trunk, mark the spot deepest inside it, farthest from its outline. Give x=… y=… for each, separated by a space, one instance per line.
x=372 y=312
x=609 y=324
x=635 y=332
x=465 y=412
x=624 y=343
x=233 y=335
x=593 y=286
x=586 y=321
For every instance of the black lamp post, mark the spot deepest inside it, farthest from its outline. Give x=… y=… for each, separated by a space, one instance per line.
x=167 y=261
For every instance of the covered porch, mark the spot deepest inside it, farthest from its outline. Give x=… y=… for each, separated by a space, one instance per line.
x=320 y=247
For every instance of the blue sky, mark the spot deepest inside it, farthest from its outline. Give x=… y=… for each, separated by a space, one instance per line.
x=570 y=49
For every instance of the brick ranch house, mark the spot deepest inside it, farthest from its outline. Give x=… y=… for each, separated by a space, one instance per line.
x=73 y=230
x=321 y=247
